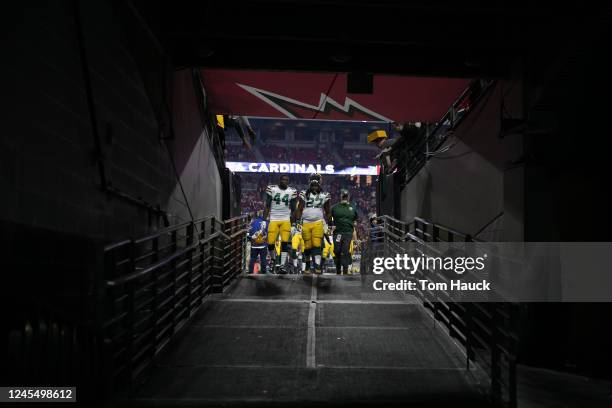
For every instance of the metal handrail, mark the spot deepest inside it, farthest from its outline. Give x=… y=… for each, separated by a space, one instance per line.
x=117 y=245
x=161 y=232
x=234 y=219
x=154 y=284
x=139 y=274
x=237 y=233
x=444 y=228
x=476 y=326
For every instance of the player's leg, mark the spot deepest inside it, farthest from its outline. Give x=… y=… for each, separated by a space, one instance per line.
x=351 y=250
x=273 y=231
x=296 y=256
x=338 y=253
x=306 y=261
x=346 y=255
x=252 y=259
x=263 y=262
x=294 y=260
x=324 y=254
x=277 y=254
x=307 y=237
x=300 y=267
x=317 y=242
x=285 y=233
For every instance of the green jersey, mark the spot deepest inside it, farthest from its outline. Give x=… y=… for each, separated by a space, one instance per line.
x=344 y=216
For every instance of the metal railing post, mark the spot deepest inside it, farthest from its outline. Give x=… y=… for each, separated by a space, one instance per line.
x=496 y=391
x=131 y=335
x=189 y=234
x=512 y=391
x=146 y=297
x=468 y=335
x=155 y=306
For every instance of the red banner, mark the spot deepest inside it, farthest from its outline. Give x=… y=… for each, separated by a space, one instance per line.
x=323 y=96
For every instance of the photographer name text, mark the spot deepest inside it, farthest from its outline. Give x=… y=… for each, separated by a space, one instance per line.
x=456 y=265
x=424 y=284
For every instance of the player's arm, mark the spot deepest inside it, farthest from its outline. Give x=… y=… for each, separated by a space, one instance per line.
x=293 y=204
x=299 y=208
x=330 y=222
x=266 y=213
x=327 y=212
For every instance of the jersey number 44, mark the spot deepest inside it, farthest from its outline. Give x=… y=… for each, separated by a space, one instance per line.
x=278 y=199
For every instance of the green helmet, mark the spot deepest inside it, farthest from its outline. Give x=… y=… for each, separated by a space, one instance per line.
x=315 y=177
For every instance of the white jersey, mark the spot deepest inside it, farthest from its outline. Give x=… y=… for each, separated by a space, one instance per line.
x=280 y=206
x=313 y=205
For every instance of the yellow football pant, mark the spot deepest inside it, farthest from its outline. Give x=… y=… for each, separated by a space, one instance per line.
x=328 y=249
x=279 y=227
x=297 y=242
x=312 y=232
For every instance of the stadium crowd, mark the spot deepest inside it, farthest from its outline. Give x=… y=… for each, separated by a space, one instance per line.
x=322 y=155
x=239 y=153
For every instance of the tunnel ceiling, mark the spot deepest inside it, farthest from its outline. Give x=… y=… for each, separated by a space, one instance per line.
x=423 y=38
x=300 y=95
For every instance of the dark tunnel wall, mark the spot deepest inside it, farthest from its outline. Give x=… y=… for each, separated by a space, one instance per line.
x=549 y=178
x=567 y=174
x=55 y=215
x=471 y=174
x=50 y=177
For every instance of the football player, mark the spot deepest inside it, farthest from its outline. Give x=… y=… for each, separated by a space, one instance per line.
x=344 y=220
x=313 y=209
x=280 y=206
x=328 y=246
x=297 y=249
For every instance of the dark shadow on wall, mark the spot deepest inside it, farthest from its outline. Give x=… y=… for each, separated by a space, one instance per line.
x=426 y=203
x=180 y=112
x=54 y=214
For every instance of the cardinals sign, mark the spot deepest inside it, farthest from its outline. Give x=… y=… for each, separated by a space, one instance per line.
x=323 y=96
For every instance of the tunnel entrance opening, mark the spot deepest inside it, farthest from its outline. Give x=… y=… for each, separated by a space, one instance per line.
x=301 y=335
x=314 y=328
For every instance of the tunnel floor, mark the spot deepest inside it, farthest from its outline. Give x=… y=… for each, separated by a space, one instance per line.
x=292 y=339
